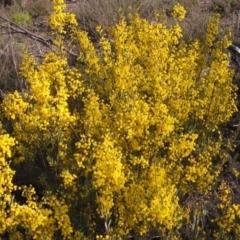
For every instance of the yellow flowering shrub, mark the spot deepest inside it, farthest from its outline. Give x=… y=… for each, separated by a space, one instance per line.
x=6 y=185
x=121 y=138
x=38 y=220
x=229 y=224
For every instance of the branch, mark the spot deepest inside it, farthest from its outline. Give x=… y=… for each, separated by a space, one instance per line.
x=46 y=42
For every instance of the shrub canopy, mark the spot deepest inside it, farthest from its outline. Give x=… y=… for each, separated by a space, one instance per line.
x=119 y=140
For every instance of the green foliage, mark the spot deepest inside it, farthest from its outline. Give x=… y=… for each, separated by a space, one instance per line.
x=121 y=139
x=21 y=18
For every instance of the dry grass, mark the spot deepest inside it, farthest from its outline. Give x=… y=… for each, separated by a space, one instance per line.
x=109 y=12
x=10 y=58
x=37 y=8
x=13 y=44
x=106 y=13
x=91 y=13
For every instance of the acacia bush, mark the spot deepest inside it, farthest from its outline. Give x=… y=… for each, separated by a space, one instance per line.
x=116 y=144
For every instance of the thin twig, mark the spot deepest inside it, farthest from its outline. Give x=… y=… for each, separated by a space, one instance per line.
x=18 y=29
x=238 y=23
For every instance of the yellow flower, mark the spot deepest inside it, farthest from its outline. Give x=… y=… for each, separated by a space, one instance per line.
x=179 y=12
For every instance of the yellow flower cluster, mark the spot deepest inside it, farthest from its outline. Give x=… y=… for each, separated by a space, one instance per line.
x=179 y=12
x=68 y=178
x=108 y=174
x=32 y=216
x=59 y=19
x=6 y=173
x=40 y=222
x=212 y=31
x=224 y=195
x=61 y=216
x=45 y=110
x=229 y=222
x=151 y=200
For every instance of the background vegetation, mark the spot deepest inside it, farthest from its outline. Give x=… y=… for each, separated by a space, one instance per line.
x=128 y=130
